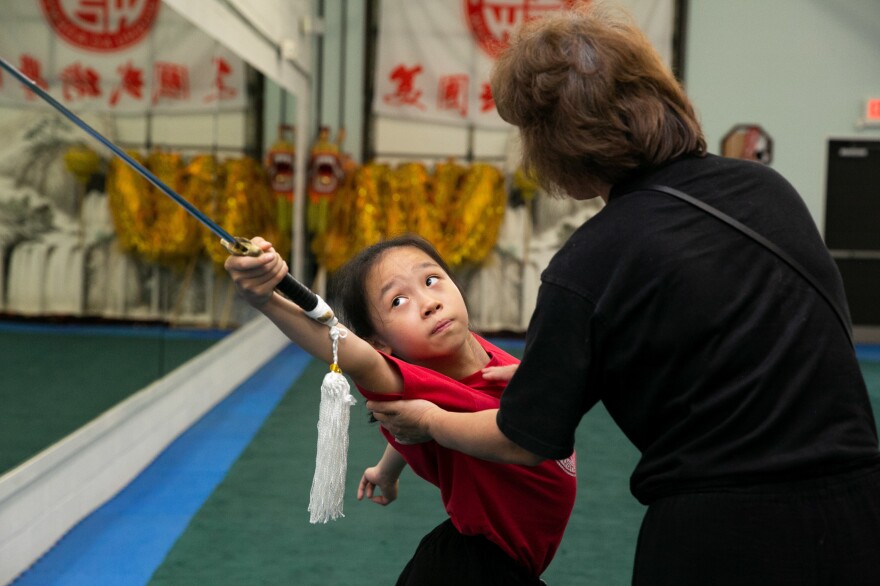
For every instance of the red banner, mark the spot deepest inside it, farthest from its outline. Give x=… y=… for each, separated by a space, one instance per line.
x=116 y=55
x=435 y=58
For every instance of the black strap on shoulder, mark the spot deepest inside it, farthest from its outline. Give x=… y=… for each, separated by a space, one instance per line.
x=762 y=241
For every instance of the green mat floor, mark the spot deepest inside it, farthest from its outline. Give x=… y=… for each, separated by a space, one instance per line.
x=254 y=529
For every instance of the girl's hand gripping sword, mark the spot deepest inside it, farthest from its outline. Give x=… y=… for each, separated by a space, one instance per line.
x=312 y=304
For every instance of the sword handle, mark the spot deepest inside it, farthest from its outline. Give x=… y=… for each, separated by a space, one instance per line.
x=315 y=307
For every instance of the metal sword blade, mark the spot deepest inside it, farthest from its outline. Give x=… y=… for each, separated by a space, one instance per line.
x=146 y=173
x=314 y=306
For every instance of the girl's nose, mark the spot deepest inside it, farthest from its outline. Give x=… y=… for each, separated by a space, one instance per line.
x=430 y=306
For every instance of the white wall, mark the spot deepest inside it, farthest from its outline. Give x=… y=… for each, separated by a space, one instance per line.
x=802 y=69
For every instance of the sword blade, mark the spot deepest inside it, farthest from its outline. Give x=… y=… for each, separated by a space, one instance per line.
x=315 y=307
x=146 y=173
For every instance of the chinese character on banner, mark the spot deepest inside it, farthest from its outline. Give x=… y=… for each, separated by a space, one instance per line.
x=117 y=55
x=78 y=81
x=454 y=44
x=487 y=102
x=101 y=25
x=453 y=94
x=32 y=67
x=221 y=92
x=171 y=81
x=131 y=82
x=405 y=93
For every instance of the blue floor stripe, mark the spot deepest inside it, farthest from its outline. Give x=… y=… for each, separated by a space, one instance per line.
x=868 y=352
x=124 y=541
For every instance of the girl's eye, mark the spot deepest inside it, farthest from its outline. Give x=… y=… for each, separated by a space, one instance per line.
x=431 y=280
x=396 y=302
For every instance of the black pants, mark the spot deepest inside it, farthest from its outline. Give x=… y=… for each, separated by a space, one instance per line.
x=818 y=532
x=445 y=557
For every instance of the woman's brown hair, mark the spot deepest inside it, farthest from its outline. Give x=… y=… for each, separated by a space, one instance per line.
x=592 y=98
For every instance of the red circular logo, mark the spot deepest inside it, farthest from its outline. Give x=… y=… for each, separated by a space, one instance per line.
x=492 y=23
x=101 y=25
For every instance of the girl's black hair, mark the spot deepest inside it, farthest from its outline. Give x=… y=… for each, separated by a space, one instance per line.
x=350 y=280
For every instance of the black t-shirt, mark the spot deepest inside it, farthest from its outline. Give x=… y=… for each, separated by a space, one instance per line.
x=720 y=363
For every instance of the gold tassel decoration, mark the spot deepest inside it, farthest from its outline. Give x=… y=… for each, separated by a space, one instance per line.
x=126 y=193
x=445 y=193
x=333 y=247
x=204 y=186
x=476 y=221
x=174 y=235
x=459 y=209
x=82 y=161
x=369 y=216
x=246 y=206
x=404 y=195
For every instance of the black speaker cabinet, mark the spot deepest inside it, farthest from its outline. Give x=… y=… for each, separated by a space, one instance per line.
x=852 y=222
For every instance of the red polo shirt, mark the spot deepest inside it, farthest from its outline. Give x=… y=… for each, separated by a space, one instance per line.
x=522 y=509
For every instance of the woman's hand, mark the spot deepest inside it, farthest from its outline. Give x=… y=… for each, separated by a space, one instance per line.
x=504 y=373
x=406 y=420
x=476 y=434
x=255 y=277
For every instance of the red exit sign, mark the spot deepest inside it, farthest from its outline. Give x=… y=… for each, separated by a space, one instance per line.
x=872 y=110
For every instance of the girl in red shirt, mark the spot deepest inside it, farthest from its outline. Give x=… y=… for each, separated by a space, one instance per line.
x=410 y=339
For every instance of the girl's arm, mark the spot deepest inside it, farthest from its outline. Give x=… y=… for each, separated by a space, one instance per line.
x=255 y=279
x=385 y=475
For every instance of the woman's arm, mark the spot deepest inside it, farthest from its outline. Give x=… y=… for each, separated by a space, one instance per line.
x=256 y=277
x=475 y=434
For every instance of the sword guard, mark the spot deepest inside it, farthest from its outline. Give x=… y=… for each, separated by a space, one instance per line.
x=241 y=247
x=315 y=307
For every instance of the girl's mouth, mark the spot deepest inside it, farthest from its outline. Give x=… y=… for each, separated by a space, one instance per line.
x=441 y=325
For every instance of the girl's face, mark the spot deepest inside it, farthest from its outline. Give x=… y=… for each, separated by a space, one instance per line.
x=418 y=312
